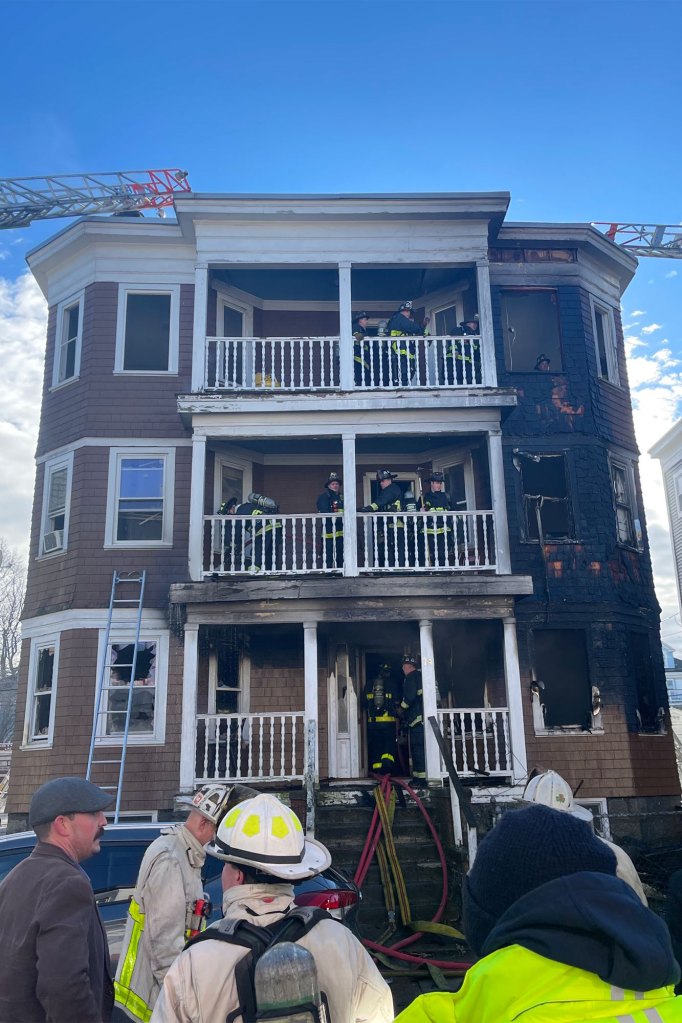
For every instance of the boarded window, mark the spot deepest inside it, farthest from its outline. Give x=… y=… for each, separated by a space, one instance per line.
x=530 y=322
x=546 y=503
x=643 y=673
x=147 y=332
x=560 y=664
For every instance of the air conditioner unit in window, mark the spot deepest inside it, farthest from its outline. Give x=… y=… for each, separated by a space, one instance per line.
x=53 y=541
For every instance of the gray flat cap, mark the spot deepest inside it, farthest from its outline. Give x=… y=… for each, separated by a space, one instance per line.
x=66 y=795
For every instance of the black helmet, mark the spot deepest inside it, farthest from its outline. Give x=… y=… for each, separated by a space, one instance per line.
x=403 y=306
x=333 y=478
x=542 y=358
x=437 y=477
x=360 y=316
x=409 y=659
x=385 y=474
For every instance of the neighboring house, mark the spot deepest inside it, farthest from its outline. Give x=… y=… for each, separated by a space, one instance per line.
x=193 y=361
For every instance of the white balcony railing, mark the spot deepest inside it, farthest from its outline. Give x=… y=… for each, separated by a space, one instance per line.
x=312 y=363
x=249 y=747
x=386 y=542
x=478 y=740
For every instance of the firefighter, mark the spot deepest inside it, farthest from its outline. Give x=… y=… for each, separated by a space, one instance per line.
x=462 y=360
x=404 y=352
x=331 y=500
x=259 y=543
x=390 y=529
x=380 y=704
x=362 y=354
x=412 y=707
x=437 y=529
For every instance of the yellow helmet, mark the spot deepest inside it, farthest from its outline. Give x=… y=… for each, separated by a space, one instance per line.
x=265 y=834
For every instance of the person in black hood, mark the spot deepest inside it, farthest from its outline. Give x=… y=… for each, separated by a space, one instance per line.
x=560 y=935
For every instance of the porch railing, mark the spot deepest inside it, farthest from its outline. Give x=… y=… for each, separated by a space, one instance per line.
x=446 y=541
x=269 y=544
x=478 y=740
x=312 y=363
x=249 y=747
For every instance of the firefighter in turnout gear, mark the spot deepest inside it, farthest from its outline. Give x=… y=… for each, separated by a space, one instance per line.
x=412 y=707
x=168 y=906
x=389 y=530
x=380 y=704
x=362 y=353
x=462 y=359
x=437 y=529
x=331 y=500
x=256 y=545
x=401 y=327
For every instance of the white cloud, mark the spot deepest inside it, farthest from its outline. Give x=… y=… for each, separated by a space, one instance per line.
x=651 y=328
x=22 y=328
x=638 y=312
x=671 y=273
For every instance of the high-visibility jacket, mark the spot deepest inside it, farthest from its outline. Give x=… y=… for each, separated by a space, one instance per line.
x=514 y=984
x=331 y=502
x=436 y=502
x=160 y=919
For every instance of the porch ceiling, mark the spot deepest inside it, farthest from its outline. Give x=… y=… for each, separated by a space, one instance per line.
x=390 y=284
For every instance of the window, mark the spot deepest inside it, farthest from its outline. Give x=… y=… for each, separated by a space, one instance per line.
x=67 y=342
x=56 y=500
x=147 y=669
x=605 y=340
x=628 y=529
x=562 y=678
x=649 y=717
x=530 y=324
x=140 y=513
x=147 y=330
x=41 y=692
x=547 y=508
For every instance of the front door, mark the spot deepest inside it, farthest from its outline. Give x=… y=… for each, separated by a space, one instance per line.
x=342 y=703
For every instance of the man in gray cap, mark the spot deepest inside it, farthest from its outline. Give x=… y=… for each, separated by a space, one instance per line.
x=54 y=959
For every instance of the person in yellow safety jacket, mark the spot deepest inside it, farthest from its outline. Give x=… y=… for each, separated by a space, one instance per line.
x=168 y=904
x=404 y=352
x=462 y=360
x=382 y=740
x=412 y=715
x=560 y=936
x=390 y=534
x=437 y=529
x=331 y=500
x=362 y=355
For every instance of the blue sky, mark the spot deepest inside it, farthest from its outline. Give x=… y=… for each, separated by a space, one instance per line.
x=573 y=107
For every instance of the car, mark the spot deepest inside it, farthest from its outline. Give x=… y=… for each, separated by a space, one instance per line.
x=113 y=873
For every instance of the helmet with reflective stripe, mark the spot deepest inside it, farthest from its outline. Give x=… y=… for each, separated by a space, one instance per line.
x=211 y=801
x=265 y=834
x=409 y=659
x=333 y=478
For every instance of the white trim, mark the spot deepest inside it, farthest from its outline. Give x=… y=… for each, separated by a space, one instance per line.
x=28 y=742
x=610 y=341
x=598 y=807
x=370 y=477
x=627 y=465
x=226 y=299
x=147 y=443
x=174 y=329
x=242 y=465
x=77 y=619
x=52 y=466
x=243 y=686
x=127 y=635
x=62 y=309
x=116 y=455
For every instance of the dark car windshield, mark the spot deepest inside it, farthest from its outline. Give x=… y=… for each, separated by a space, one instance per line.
x=116 y=866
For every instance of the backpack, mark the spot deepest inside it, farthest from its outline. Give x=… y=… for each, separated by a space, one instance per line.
x=297 y=922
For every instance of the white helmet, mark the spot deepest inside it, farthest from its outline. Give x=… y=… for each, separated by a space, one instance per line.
x=550 y=789
x=211 y=801
x=265 y=834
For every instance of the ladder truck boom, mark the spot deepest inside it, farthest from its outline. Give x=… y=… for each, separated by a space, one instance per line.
x=663 y=240
x=74 y=195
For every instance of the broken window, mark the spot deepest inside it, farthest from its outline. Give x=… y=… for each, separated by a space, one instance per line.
x=530 y=321
x=649 y=716
x=605 y=339
x=43 y=686
x=143 y=675
x=546 y=503
x=627 y=523
x=562 y=678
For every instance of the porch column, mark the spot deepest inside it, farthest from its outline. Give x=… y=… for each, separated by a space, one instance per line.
x=345 y=325
x=199 y=330
x=196 y=508
x=499 y=503
x=517 y=735
x=350 y=502
x=485 y=322
x=311 y=714
x=430 y=700
x=190 y=672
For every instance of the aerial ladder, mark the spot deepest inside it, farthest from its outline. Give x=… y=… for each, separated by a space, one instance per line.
x=76 y=195
x=662 y=240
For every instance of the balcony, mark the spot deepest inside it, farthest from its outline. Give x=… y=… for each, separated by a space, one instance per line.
x=478 y=740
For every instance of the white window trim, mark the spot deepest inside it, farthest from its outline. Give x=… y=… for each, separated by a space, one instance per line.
x=677 y=485
x=174 y=333
x=232 y=462
x=370 y=477
x=51 y=466
x=79 y=300
x=160 y=637
x=431 y=308
x=244 y=683
x=609 y=341
x=116 y=455
x=38 y=644
x=598 y=807
x=443 y=464
x=223 y=300
x=628 y=466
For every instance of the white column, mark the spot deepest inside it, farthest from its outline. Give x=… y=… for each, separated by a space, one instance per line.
x=517 y=735
x=199 y=334
x=499 y=503
x=196 y=509
x=190 y=672
x=345 y=325
x=430 y=700
x=485 y=322
x=311 y=717
x=350 y=503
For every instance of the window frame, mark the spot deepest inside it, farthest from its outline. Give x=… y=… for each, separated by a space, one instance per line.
x=610 y=342
x=597 y=726
x=627 y=466
x=147 y=635
x=38 y=643
x=173 y=332
x=571 y=494
x=504 y=289
x=63 y=310
x=116 y=457
x=50 y=467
